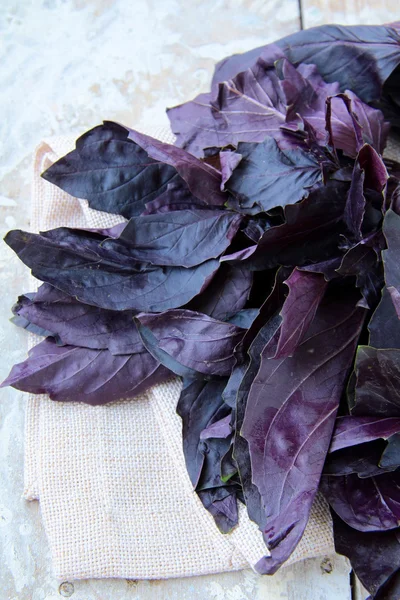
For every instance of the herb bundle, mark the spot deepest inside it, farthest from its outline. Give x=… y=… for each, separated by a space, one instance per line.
x=259 y=261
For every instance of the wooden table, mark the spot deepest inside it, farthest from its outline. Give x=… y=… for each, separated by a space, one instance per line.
x=65 y=67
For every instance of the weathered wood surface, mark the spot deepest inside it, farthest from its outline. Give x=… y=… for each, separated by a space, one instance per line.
x=349 y=12
x=66 y=66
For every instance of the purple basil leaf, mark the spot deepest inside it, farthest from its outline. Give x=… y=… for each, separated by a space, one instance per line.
x=370 y=504
x=244 y=318
x=268 y=312
x=249 y=107
x=80 y=324
x=215 y=449
x=195 y=340
x=376 y=175
x=369 y=53
x=328 y=268
x=224 y=509
x=79 y=266
x=261 y=332
x=363 y=262
x=150 y=342
x=362 y=459
x=391 y=455
x=255 y=228
x=229 y=468
x=263 y=100
x=226 y=294
x=374 y=129
x=230 y=66
x=391 y=230
x=198 y=405
x=289 y=419
x=69 y=373
x=201 y=404
x=245 y=373
x=350 y=431
x=113 y=173
x=355 y=204
x=377 y=390
x=268 y=177
x=219 y=429
x=374 y=556
x=176 y=197
x=183 y=238
x=384 y=326
x=24 y=323
x=311 y=232
x=351 y=123
x=229 y=161
x=202 y=180
x=305 y=293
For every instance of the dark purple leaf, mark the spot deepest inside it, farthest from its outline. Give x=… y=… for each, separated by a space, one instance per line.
x=183 y=238
x=110 y=171
x=370 y=54
x=350 y=431
x=176 y=197
x=374 y=556
x=248 y=107
x=230 y=66
x=202 y=180
x=370 y=504
x=70 y=373
x=261 y=332
x=229 y=468
x=268 y=177
x=355 y=205
x=79 y=266
x=311 y=232
x=245 y=374
x=328 y=268
x=352 y=123
x=198 y=405
x=219 y=429
x=391 y=455
x=384 y=326
x=289 y=420
x=223 y=510
x=305 y=293
x=215 y=451
x=391 y=230
x=226 y=294
x=195 y=340
x=363 y=262
x=80 y=324
x=229 y=161
x=374 y=129
x=263 y=100
x=244 y=318
x=255 y=228
x=377 y=390
x=376 y=175
x=362 y=459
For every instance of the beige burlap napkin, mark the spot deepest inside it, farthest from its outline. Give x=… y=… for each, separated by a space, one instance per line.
x=115 y=497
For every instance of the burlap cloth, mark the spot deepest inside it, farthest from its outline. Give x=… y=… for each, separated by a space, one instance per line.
x=115 y=497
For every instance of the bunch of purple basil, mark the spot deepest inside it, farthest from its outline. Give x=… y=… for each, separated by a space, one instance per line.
x=260 y=262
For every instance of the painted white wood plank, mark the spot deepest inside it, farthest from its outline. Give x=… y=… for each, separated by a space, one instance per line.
x=314 y=579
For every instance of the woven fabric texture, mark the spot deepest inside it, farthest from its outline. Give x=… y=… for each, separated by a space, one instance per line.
x=115 y=497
